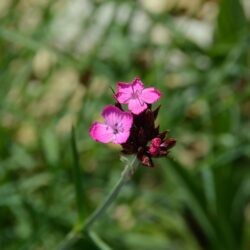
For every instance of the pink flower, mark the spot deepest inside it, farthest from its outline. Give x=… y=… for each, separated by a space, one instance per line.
x=116 y=127
x=136 y=96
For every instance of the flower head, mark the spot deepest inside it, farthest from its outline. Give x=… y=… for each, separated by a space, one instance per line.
x=136 y=96
x=136 y=130
x=116 y=127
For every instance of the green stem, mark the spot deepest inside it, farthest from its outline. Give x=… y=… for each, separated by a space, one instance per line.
x=76 y=234
x=98 y=241
x=125 y=176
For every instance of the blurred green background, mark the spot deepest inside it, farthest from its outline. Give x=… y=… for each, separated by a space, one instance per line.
x=58 y=60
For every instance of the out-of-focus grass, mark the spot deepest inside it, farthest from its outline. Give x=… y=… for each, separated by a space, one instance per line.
x=58 y=61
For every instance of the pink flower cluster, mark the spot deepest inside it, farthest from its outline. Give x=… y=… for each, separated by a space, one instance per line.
x=116 y=127
x=135 y=128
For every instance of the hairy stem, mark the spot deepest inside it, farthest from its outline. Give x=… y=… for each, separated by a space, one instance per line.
x=125 y=176
x=73 y=236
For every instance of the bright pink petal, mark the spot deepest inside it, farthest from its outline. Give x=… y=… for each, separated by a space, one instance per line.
x=150 y=95
x=101 y=132
x=119 y=121
x=126 y=121
x=109 y=113
x=124 y=92
x=112 y=115
x=123 y=87
x=136 y=106
x=125 y=125
x=137 y=85
x=122 y=97
x=121 y=137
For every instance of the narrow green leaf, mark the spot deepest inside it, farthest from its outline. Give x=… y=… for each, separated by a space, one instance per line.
x=209 y=188
x=195 y=200
x=238 y=209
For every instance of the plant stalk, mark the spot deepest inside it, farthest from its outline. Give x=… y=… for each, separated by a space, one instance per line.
x=76 y=234
x=125 y=176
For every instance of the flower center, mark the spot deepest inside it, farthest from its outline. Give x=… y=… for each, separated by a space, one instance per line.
x=135 y=94
x=117 y=128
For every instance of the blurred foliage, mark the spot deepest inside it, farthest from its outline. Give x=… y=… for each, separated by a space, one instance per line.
x=58 y=61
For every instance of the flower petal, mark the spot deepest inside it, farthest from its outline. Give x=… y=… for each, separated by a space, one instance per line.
x=110 y=114
x=150 y=95
x=121 y=137
x=124 y=92
x=137 y=85
x=127 y=121
x=101 y=132
x=122 y=97
x=113 y=115
x=116 y=118
x=136 y=106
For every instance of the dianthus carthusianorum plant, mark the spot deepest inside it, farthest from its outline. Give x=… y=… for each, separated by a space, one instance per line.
x=130 y=122
x=135 y=130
